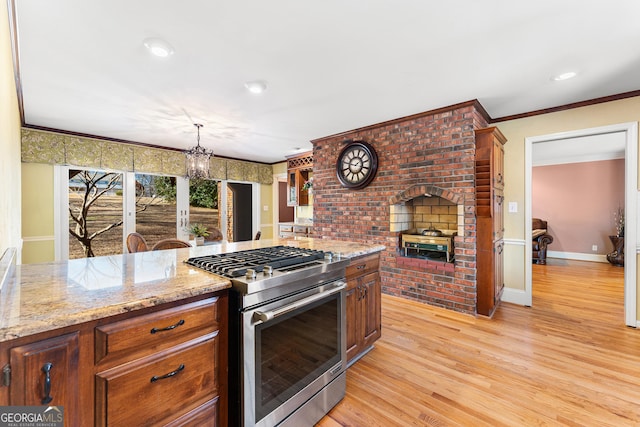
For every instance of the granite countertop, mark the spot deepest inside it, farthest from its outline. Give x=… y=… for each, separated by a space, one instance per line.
x=41 y=297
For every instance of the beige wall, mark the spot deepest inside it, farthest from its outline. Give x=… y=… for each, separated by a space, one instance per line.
x=622 y=111
x=266 y=217
x=10 y=176
x=37 y=213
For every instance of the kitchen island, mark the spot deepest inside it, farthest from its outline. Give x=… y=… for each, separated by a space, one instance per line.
x=92 y=317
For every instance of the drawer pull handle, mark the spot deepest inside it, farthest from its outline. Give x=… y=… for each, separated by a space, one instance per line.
x=168 y=328
x=169 y=375
x=46 y=368
x=360 y=267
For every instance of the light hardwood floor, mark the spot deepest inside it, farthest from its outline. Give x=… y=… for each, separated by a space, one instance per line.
x=569 y=360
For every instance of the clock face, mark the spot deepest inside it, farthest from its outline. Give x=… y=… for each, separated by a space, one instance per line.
x=357 y=165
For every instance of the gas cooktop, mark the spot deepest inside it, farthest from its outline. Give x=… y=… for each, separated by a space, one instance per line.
x=272 y=271
x=237 y=264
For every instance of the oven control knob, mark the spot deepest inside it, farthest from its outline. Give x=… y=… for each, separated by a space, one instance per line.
x=267 y=270
x=251 y=273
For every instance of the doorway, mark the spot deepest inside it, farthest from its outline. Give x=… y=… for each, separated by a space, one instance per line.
x=630 y=131
x=241 y=212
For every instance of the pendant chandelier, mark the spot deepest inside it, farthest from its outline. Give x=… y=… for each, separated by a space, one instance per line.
x=198 y=159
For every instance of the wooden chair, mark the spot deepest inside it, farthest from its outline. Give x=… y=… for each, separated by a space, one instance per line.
x=136 y=243
x=171 y=244
x=258 y=234
x=214 y=235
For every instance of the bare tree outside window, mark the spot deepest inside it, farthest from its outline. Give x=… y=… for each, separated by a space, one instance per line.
x=85 y=222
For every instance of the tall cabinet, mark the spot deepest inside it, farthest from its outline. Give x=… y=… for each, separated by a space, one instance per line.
x=489 y=218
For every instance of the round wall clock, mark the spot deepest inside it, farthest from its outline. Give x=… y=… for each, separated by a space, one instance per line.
x=357 y=164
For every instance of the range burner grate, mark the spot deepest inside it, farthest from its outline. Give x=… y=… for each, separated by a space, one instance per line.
x=235 y=264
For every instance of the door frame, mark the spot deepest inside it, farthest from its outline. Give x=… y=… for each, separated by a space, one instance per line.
x=630 y=130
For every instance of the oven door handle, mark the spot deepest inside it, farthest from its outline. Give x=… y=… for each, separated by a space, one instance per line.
x=265 y=316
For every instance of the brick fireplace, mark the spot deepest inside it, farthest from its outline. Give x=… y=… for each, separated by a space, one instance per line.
x=425 y=179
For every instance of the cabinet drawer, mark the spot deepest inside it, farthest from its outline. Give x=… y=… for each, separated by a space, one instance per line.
x=363 y=265
x=300 y=230
x=286 y=228
x=156 y=389
x=147 y=334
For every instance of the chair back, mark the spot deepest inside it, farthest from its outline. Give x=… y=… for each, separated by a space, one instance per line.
x=214 y=235
x=171 y=244
x=136 y=243
x=258 y=234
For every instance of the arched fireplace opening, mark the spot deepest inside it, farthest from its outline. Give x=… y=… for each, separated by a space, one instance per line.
x=426 y=220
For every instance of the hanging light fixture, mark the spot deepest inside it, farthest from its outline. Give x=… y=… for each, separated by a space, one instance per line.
x=198 y=159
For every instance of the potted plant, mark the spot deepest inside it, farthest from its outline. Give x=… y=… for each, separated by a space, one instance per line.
x=308 y=185
x=199 y=231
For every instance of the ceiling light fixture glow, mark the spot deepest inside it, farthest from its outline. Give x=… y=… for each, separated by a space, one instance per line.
x=256 y=86
x=565 y=76
x=158 y=47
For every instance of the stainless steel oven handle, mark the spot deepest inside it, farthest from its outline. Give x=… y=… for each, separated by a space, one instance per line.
x=265 y=316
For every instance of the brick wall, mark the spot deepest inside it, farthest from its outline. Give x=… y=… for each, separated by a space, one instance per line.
x=433 y=150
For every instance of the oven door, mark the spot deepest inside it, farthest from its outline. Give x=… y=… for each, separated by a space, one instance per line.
x=292 y=349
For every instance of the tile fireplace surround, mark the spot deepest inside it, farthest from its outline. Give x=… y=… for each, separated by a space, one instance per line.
x=430 y=153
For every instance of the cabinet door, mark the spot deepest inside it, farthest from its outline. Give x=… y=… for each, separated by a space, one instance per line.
x=46 y=373
x=498 y=164
x=292 y=189
x=353 y=318
x=499 y=270
x=371 y=309
x=498 y=214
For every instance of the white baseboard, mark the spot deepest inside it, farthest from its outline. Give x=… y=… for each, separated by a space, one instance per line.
x=515 y=296
x=577 y=256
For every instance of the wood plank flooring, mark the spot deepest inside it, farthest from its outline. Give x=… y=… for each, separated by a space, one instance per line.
x=567 y=361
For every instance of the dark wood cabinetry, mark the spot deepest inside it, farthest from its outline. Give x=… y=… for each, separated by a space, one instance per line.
x=364 y=319
x=169 y=362
x=489 y=218
x=165 y=365
x=45 y=372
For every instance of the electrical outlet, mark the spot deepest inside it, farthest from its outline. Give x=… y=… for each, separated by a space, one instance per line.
x=265 y=208
x=594 y=248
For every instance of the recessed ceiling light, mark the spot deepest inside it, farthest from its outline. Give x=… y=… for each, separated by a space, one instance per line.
x=565 y=76
x=158 y=47
x=256 y=86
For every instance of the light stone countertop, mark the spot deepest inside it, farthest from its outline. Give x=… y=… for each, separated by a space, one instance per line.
x=41 y=297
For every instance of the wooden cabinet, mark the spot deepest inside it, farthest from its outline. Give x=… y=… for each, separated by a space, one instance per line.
x=168 y=362
x=290 y=230
x=364 y=320
x=45 y=372
x=162 y=365
x=489 y=218
x=299 y=171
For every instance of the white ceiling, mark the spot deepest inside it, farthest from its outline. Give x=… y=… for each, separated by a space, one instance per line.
x=331 y=65
x=592 y=148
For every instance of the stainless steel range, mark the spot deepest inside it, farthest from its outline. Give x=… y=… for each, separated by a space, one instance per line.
x=287 y=333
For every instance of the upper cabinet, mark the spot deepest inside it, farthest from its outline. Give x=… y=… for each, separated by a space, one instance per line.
x=299 y=171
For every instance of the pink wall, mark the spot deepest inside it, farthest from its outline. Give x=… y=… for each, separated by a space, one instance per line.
x=579 y=200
